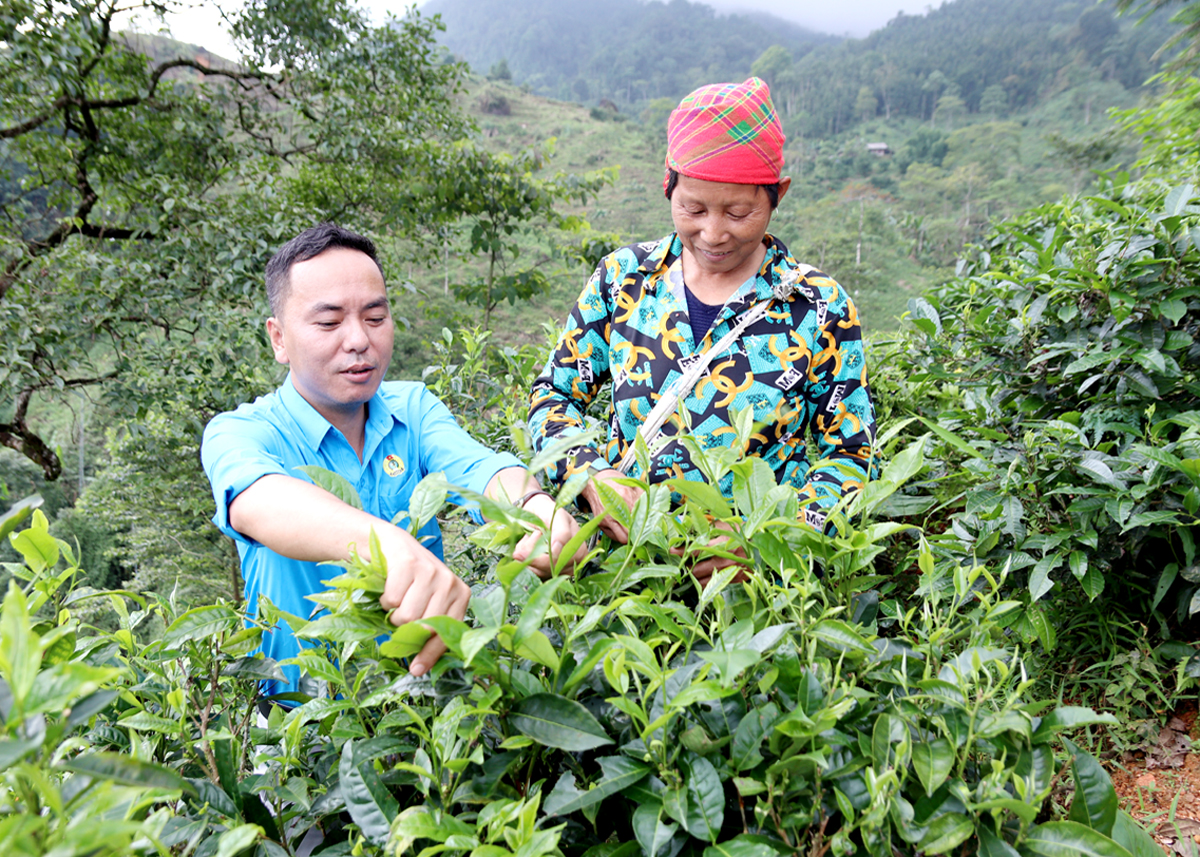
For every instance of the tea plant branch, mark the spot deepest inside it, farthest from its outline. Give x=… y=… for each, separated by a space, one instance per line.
x=210 y=760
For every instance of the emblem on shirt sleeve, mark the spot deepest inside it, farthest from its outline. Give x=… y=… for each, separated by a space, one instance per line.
x=393 y=466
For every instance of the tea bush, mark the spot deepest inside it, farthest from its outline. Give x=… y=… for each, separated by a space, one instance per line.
x=1058 y=374
x=620 y=711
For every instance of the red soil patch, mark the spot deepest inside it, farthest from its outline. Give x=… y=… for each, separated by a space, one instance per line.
x=1159 y=784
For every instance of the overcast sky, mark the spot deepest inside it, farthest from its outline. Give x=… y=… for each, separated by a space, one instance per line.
x=201 y=25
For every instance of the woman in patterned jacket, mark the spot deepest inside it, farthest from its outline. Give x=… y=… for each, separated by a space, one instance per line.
x=651 y=310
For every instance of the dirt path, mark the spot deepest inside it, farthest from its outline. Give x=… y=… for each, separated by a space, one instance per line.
x=1161 y=785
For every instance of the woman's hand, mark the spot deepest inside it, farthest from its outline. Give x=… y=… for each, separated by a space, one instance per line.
x=562 y=528
x=706 y=568
x=629 y=495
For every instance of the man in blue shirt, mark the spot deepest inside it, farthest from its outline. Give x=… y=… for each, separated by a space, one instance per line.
x=331 y=324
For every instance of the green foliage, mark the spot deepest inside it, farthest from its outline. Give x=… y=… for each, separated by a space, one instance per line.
x=940 y=65
x=1057 y=373
x=500 y=71
x=1187 y=38
x=153 y=502
x=926 y=146
x=142 y=206
x=485 y=386
x=501 y=198
x=620 y=709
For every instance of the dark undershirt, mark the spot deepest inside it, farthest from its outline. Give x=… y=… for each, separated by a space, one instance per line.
x=700 y=314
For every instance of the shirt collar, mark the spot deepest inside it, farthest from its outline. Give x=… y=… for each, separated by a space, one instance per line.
x=315 y=427
x=380 y=420
x=311 y=423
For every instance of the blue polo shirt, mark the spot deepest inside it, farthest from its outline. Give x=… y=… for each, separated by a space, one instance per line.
x=409 y=434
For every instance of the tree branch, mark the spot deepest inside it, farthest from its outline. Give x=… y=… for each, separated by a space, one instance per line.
x=129 y=101
x=30 y=124
x=76 y=225
x=17 y=435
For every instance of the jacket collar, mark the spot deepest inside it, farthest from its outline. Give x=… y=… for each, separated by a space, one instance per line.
x=776 y=263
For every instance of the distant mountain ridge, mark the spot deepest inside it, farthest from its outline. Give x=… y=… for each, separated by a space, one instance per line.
x=964 y=57
x=972 y=56
x=624 y=50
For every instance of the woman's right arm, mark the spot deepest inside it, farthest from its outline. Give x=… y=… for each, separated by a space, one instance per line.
x=577 y=370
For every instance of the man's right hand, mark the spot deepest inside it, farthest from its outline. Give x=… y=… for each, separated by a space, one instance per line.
x=419 y=586
x=627 y=494
x=300 y=520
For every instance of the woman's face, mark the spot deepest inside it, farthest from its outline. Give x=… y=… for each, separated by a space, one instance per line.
x=721 y=225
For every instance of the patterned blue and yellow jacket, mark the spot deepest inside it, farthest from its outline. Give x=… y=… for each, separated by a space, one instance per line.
x=801 y=367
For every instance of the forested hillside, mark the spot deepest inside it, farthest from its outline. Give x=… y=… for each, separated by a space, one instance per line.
x=990 y=57
x=980 y=56
x=626 y=51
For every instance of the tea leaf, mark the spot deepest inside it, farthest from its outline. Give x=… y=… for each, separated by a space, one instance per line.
x=1095 y=802
x=236 y=840
x=1132 y=836
x=699 y=802
x=555 y=721
x=337 y=485
x=199 y=623
x=1069 y=717
x=619 y=773
x=840 y=636
x=368 y=801
x=536 y=607
x=652 y=833
x=127 y=771
x=932 y=760
x=747 y=845
x=1071 y=839
x=991 y=845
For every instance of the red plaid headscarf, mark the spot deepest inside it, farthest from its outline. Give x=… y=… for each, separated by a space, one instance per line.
x=726 y=132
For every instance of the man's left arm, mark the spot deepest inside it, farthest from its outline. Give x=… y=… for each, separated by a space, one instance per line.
x=447 y=447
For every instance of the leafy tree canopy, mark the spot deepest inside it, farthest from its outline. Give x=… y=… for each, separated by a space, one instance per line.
x=141 y=197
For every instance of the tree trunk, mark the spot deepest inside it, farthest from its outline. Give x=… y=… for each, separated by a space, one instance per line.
x=858 y=249
x=487 y=302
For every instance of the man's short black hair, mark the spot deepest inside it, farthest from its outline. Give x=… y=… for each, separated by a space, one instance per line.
x=771 y=189
x=308 y=244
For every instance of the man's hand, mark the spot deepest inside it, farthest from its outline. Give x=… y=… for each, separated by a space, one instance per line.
x=299 y=520
x=513 y=483
x=562 y=528
x=629 y=495
x=706 y=568
x=419 y=586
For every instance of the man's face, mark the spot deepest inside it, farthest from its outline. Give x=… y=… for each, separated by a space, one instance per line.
x=721 y=225
x=335 y=331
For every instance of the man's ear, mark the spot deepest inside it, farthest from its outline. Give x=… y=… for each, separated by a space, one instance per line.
x=275 y=334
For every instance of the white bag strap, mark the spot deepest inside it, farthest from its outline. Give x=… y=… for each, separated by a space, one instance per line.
x=685 y=383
